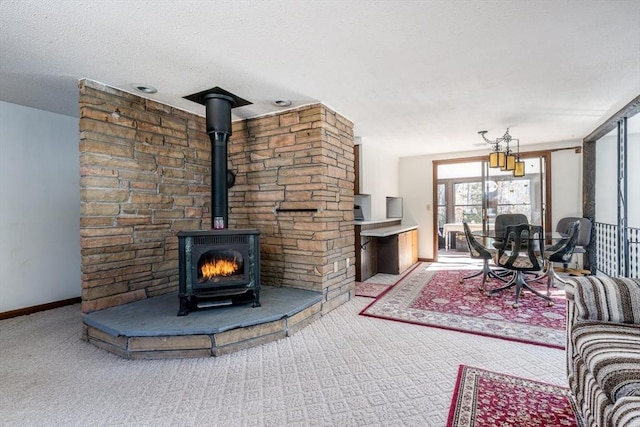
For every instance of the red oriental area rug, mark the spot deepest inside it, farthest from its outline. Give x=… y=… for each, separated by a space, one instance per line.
x=488 y=399
x=434 y=297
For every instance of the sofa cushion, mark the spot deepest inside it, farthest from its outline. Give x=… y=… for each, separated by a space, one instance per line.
x=611 y=299
x=611 y=352
x=626 y=412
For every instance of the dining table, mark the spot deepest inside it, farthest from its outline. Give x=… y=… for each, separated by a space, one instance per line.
x=549 y=237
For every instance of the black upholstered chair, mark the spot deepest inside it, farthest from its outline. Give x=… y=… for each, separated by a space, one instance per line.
x=583 y=240
x=521 y=252
x=501 y=222
x=561 y=252
x=478 y=251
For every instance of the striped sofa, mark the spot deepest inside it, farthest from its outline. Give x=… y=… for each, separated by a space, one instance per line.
x=603 y=350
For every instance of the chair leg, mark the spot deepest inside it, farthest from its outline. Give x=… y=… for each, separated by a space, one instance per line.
x=471 y=276
x=552 y=276
x=541 y=295
x=503 y=272
x=509 y=284
x=487 y=273
x=500 y=275
x=519 y=282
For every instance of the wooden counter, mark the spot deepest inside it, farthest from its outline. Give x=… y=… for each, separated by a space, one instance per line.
x=388 y=231
x=385 y=246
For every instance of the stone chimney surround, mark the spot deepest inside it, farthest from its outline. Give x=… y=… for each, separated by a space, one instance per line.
x=145 y=176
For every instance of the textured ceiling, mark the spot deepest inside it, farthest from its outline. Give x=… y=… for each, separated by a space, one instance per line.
x=419 y=77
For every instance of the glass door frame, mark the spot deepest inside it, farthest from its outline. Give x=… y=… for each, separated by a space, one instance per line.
x=545 y=156
x=544 y=189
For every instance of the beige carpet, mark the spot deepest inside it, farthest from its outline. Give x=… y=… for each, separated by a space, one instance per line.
x=343 y=370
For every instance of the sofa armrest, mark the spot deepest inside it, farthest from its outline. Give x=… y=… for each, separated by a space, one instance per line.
x=607 y=299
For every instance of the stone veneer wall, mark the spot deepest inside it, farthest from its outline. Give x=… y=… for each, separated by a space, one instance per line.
x=145 y=176
x=295 y=175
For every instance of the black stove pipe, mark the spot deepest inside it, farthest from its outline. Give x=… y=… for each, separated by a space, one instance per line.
x=218 y=119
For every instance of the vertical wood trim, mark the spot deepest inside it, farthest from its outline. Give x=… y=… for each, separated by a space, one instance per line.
x=589 y=200
x=548 y=196
x=356 y=165
x=434 y=208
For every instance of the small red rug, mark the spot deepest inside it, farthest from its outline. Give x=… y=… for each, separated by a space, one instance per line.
x=434 y=297
x=489 y=399
x=370 y=290
x=378 y=284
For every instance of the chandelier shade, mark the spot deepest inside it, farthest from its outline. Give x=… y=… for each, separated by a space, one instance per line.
x=497 y=159
x=519 y=169
x=505 y=159
x=511 y=162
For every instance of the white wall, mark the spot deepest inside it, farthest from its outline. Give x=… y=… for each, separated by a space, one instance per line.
x=39 y=207
x=566 y=180
x=378 y=177
x=633 y=171
x=416 y=186
x=607 y=178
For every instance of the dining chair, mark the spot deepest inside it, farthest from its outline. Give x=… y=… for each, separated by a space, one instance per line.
x=583 y=240
x=500 y=224
x=478 y=251
x=561 y=252
x=521 y=254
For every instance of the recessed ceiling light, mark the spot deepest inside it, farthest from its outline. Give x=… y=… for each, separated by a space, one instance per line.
x=282 y=103
x=144 y=88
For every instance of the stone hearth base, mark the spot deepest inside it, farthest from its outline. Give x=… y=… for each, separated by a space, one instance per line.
x=151 y=329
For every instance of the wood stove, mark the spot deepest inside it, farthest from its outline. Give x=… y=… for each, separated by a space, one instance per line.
x=218 y=267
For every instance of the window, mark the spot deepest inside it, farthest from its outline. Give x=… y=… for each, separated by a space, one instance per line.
x=514 y=196
x=468 y=202
x=442 y=205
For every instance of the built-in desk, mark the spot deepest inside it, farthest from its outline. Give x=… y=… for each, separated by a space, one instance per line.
x=388 y=231
x=385 y=246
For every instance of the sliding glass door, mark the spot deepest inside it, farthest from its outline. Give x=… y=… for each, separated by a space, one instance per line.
x=506 y=194
x=467 y=190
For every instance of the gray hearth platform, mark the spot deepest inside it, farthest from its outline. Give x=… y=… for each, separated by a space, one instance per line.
x=151 y=329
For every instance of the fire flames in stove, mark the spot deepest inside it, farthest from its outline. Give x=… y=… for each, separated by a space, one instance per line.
x=220 y=267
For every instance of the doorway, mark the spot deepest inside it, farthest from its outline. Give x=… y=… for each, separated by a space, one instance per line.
x=468 y=190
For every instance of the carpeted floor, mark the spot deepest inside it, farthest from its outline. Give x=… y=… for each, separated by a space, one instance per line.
x=433 y=296
x=342 y=370
x=488 y=399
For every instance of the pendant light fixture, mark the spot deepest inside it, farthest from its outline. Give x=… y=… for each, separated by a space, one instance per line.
x=505 y=159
